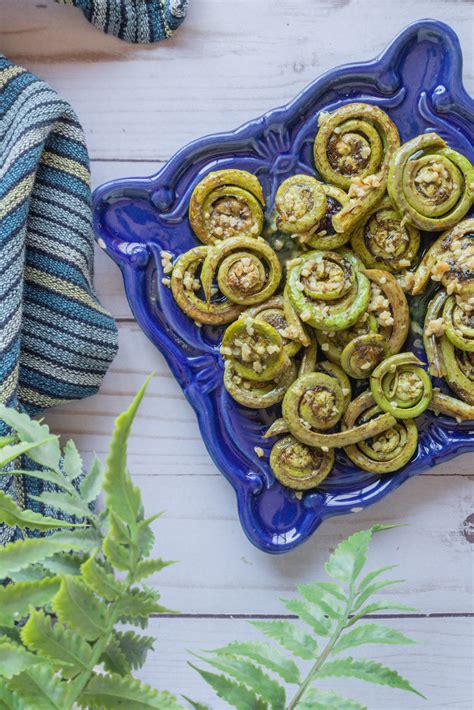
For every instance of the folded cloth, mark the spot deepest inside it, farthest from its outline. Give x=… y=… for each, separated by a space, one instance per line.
x=138 y=21
x=56 y=340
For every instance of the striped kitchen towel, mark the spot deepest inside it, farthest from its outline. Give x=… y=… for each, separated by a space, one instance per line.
x=56 y=340
x=138 y=21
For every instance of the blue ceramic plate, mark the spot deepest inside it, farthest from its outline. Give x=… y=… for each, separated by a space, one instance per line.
x=417 y=80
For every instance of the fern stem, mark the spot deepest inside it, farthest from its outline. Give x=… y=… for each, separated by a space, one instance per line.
x=312 y=674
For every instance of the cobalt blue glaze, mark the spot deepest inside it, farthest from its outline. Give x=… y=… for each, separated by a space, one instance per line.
x=417 y=80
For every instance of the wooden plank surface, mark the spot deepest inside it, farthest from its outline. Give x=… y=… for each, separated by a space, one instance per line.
x=231 y=62
x=439 y=666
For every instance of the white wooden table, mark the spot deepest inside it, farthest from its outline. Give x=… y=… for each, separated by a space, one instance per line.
x=230 y=62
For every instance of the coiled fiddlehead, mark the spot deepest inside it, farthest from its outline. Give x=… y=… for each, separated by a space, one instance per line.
x=389 y=306
x=300 y=203
x=431 y=184
x=279 y=313
x=352 y=150
x=401 y=387
x=255 y=350
x=226 y=203
x=450 y=259
x=446 y=360
x=257 y=394
x=313 y=404
x=247 y=270
x=299 y=466
x=383 y=240
x=362 y=355
x=185 y=286
x=328 y=289
x=323 y=235
x=458 y=325
x=385 y=452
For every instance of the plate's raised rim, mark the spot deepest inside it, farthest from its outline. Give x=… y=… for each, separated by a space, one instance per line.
x=382 y=72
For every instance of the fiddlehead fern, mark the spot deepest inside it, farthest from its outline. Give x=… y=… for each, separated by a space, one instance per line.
x=247 y=270
x=328 y=289
x=384 y=240
x=385 y=452
x=352 y=150
x=431 y=184
x=299 y=466
x=400 y=386
x=227 y=203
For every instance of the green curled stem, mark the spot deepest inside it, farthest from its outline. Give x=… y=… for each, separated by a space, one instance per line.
x=185 y=288
x=458 y=327
x=302 y=429
x=285 y=321
x=386 y=451
x=437 y=366
x=227 y=203
x=300 y=203
x=323 y=235
x=431 y=184
x=383 y=240
x=395 y=334
x=400 y=386
x=328 y=289
x=255 y=350
x=362 y=355
x=248 y=271
x=298 y=466
x=450 y=260
x=352 y=150
x=255 y=394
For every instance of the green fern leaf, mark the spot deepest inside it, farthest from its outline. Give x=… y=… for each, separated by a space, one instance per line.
x=145 y=537
x=372 y=589
x=91 y=485
x=72 y=462
x=139 y=603
x=266 y=656
x=23 y=553
x=114 y=660
x=113 y=691
x=9 y=700
x=56 y=642
x=121 y=495
x=347 y=561
x=379 y=606
x=14 y=658
x=310 y=614
x=145 y=568
x=117 y=554
x=316 y=594
x=370 y=633
x=327 y=700
x=16 y=599
x=64 y=563
x=119 y=530
x=269 y=690
x=77 y=607
x=33 y=573
x=11 y=452
x=100 y=581
x=64 y=502
x=40 y=689
x=369 y=578
x=134 y=647
x=194 y=704
x=14 y=516
x=369 y=671
x=8 y=439
x=47 y=475
x=290 y=636
x=47 y=453
x=237 y=695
